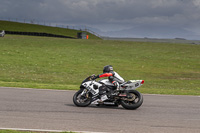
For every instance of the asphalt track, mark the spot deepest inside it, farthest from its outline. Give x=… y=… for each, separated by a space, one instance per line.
x=54 y=110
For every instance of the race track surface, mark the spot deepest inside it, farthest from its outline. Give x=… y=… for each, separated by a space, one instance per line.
x=54 y=110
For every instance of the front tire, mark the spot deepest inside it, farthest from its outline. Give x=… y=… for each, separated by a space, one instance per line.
x=133 y=101
x=81 y=100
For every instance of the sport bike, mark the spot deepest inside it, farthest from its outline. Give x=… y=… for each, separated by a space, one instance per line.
x=91 y=90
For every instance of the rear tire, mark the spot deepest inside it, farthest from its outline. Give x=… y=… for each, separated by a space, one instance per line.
x=81 y=101
x=134 y=100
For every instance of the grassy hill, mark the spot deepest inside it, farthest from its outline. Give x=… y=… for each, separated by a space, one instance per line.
x=23 y=27
x=56 y=63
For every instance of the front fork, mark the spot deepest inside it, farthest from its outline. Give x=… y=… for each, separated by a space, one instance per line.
x=85 y=93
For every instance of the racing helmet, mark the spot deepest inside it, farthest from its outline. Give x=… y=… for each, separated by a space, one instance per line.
x=107 y=69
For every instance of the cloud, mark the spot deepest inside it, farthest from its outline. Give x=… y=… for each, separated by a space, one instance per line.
x=108 y=15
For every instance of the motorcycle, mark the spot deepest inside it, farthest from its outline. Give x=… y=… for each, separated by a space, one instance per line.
x=126 y=95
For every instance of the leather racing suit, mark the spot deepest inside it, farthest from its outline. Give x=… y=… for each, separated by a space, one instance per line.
x=113 y=77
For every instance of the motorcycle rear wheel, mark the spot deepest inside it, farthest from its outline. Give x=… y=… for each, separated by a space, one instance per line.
x=81 y=101
x=134 y=100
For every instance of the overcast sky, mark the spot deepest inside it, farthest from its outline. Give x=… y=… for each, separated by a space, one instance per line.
x=125 y=18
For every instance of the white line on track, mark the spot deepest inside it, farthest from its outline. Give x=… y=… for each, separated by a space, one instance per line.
x=43 y=130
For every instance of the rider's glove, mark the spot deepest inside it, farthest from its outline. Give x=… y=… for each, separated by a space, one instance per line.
x=95 y=77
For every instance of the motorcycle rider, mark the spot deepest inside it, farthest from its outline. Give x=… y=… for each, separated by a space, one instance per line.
x=113 y=77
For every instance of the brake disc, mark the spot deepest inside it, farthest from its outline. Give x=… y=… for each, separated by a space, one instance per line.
x=131 y=97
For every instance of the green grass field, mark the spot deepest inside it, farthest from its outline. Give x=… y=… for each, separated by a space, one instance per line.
x=55 y=63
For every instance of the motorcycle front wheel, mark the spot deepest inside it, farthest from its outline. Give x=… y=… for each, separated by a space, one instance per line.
x=133 y=101
x=81 y=100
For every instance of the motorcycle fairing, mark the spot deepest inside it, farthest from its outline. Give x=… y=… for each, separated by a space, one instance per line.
x=106 y=82
x=132 y=84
